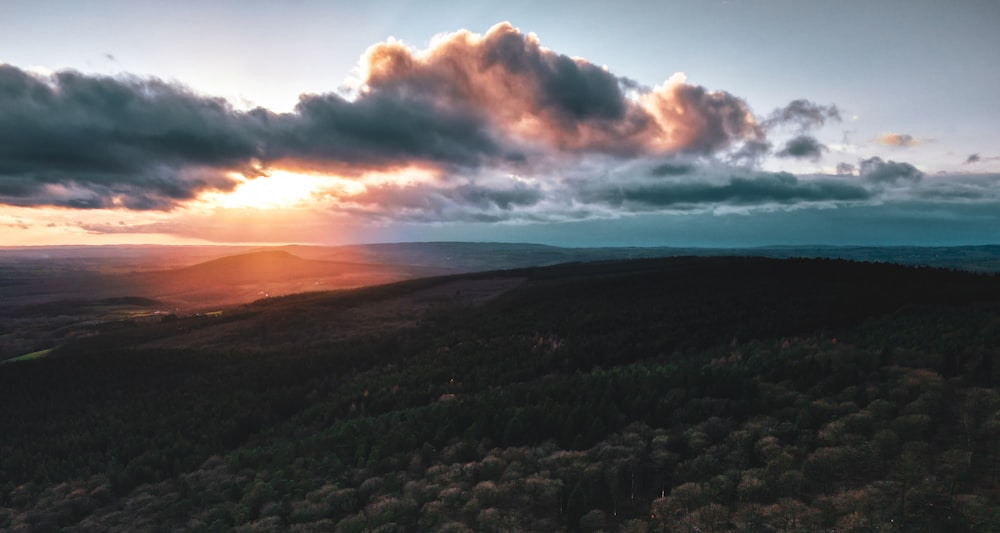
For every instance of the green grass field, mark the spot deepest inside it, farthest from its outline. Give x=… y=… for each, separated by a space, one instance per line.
x=30 y=356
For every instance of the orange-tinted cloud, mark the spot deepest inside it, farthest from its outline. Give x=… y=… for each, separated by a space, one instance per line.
x=498 y=100
x=526 y=94
x=899 y=139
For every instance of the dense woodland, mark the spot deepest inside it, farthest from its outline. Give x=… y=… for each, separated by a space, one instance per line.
x=683 y=394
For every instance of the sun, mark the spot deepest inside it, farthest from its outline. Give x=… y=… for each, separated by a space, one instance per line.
x=283 y=189
x=278 y=190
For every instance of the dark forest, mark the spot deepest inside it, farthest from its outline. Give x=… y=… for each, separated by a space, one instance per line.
x=680 y=394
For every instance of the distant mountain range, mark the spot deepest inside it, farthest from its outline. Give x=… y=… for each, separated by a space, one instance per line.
x=199 y=276
x=473 y=257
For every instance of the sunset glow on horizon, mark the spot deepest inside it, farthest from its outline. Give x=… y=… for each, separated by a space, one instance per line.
x=277 y=190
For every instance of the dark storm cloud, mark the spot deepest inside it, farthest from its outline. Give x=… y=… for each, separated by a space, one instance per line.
x=977 y=158
x=970 y=188
x=672 y=169
x=434 y=202
x=804 y=114
x=751 y=153
x=17 y=186
x=376 y=131
x=763 y=189
x=800 y=114
x=877 y=171
x=802 y=147
x=142 y=144
x=845 y=169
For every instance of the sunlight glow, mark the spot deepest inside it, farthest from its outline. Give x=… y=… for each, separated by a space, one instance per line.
x=285 y=190
x=279 y=190
x=409 y=175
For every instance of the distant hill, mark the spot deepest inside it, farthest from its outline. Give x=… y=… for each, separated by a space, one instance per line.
x=473 y=256
x=985 y=258
x=263 y=266
x=48 y=294
x=257 y=274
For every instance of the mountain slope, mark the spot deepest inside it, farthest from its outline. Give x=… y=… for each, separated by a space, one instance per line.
x=248 y=276
x=253 y=266
x=725 y=393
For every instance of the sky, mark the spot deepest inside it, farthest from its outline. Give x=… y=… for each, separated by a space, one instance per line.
x=630 y=123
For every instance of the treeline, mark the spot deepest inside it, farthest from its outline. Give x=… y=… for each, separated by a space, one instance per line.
x=687 y=395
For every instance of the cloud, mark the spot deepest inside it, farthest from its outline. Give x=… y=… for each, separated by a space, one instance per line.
x=122 y=228
x=750 y=153
x=497 y=128
x=691 y=119
x=977 y=158
x=524 y=96
x=960 y=188
x=90 y=141
x=899 y=139
x=434 y=202
x=15 y=223
x=498 y=100
x=760 y=189
x=672 y=169
x=845 y=169
x=803 y=114
x=877 y=171
x=377 y=131
x=802 y=147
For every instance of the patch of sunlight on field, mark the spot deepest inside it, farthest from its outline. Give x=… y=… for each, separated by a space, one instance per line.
x=31 y=356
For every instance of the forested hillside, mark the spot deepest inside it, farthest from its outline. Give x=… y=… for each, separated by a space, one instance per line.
x=682 y=394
